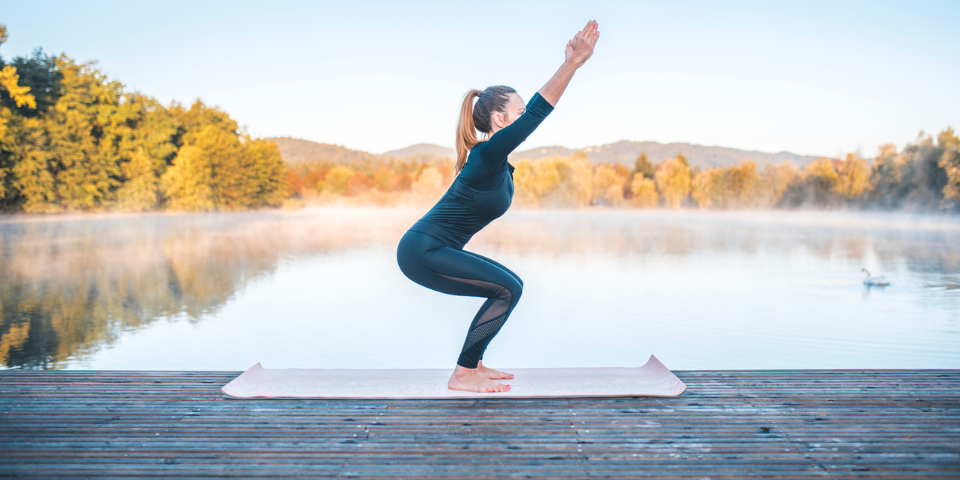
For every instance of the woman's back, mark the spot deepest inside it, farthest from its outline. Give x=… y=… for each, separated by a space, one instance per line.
x=483 y=191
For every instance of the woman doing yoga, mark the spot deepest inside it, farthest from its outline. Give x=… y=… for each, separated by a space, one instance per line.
x=431 y=252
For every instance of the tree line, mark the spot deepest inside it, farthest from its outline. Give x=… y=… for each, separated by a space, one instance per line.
x=73 y=140
x=925 y=175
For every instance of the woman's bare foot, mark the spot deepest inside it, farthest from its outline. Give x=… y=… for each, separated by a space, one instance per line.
x=491 y=373
x=469 y=380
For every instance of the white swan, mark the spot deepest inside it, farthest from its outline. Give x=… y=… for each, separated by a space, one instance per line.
x=877 y=281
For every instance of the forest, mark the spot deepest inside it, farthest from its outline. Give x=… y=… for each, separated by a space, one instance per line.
x=72 y=140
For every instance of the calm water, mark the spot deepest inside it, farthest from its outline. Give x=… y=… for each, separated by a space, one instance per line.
x=321 y=288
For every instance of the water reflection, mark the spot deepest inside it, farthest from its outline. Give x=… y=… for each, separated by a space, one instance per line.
x=73 y=288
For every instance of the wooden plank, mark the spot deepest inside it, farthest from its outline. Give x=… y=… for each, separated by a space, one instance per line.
x=729 y=424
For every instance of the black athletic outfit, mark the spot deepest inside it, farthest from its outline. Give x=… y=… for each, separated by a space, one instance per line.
x=431 y=252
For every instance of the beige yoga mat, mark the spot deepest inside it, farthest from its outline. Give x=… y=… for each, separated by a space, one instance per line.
x=652 y=379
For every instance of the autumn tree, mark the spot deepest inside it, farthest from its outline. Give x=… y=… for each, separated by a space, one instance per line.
x=644 y=191
x=854 y=177
x=950 y=163
x=337 y=178
x=556 y=181
x=383 y=179
x=673 y=178
x=706 y=187
x=430 y=182
x=607 y=186
x=643 y=166
x=774 y=181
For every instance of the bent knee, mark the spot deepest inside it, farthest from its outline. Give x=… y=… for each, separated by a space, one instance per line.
x=512 y=291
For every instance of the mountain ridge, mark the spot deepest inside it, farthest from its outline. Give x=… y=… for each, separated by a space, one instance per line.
x=294 y=150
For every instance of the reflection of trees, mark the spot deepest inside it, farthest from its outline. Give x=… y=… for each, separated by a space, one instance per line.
x=660 y=234
x=69 y=286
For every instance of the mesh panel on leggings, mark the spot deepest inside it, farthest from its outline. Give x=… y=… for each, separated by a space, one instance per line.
x=501 y=295
x=484 y=330
x=489 y=322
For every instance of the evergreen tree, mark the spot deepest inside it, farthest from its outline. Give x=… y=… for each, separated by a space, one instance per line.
x=644 y=167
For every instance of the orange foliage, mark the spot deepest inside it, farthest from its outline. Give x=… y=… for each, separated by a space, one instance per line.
x=311 y=180
x=403 y=182
x=294 y=183
x=447 y=171
x=360 y=182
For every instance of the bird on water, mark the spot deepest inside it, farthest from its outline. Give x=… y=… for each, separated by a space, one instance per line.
x=877 y=281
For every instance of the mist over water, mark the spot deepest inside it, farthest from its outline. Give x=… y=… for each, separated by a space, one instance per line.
x=321 y=288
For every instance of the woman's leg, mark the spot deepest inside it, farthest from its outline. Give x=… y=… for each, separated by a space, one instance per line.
x=497 y=373
x=428 y=262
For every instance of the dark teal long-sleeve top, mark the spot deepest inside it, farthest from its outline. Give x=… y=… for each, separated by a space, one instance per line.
x=483 y=191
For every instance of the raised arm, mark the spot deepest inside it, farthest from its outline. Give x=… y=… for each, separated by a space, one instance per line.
x=495 y=150
x=577 y=52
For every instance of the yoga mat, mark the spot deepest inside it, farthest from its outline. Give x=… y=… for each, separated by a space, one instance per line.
x=652 y=379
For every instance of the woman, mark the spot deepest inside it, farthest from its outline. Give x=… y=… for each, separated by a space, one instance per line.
x=431 y=252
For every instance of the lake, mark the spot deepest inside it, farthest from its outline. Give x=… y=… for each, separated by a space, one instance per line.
x=320 y=288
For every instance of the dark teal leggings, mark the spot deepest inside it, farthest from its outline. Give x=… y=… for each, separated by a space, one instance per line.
x=437 y=266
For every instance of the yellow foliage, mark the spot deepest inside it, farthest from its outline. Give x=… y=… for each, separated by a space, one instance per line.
x=854 y=177
x=774 y=181
x=336 y=180
x=139 y=194
x=13 y=338
x=10 y=81
x=429 y=182
x=644 y=191
x=950 y=163
x=557 y=181
x=607 y=186
x=673 y=181
x=706 y=187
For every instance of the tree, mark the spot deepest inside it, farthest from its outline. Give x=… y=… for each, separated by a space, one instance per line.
x=886 y=176
x=643 y=166
x=673 y=180
x=383 y=179
x=774 y=181
x=10 y=82
x=741 y=185
x=706 y=187
x=854 y=177
x=267 y=174
x=817 y=184
x=336 y=181
x=140 y=193
x=430 y=182
x=607 y=186
x=950 y=163
x=644 y=191
x=360 y=182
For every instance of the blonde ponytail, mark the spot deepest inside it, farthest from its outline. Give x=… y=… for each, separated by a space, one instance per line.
x=475 y=118
x=466 y=131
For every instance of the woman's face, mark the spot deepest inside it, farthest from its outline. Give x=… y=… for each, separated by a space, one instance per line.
x=515 y=108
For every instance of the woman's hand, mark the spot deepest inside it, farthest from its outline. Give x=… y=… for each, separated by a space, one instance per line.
x=578 y=51
x=581 y=47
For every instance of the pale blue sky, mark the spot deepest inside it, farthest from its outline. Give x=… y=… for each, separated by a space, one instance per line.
x=819 y=78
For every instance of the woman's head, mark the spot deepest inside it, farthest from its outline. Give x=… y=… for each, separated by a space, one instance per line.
x=495 y=108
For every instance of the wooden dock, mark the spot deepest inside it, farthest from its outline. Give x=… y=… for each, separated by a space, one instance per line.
x=766 y=423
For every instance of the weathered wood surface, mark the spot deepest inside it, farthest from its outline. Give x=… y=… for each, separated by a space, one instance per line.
x=773 y=423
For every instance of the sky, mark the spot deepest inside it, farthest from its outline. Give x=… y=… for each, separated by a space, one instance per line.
x=810 y=77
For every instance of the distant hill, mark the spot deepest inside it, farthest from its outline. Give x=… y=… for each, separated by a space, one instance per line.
x=422 y=149
x=626 y=153
x=294 y=150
